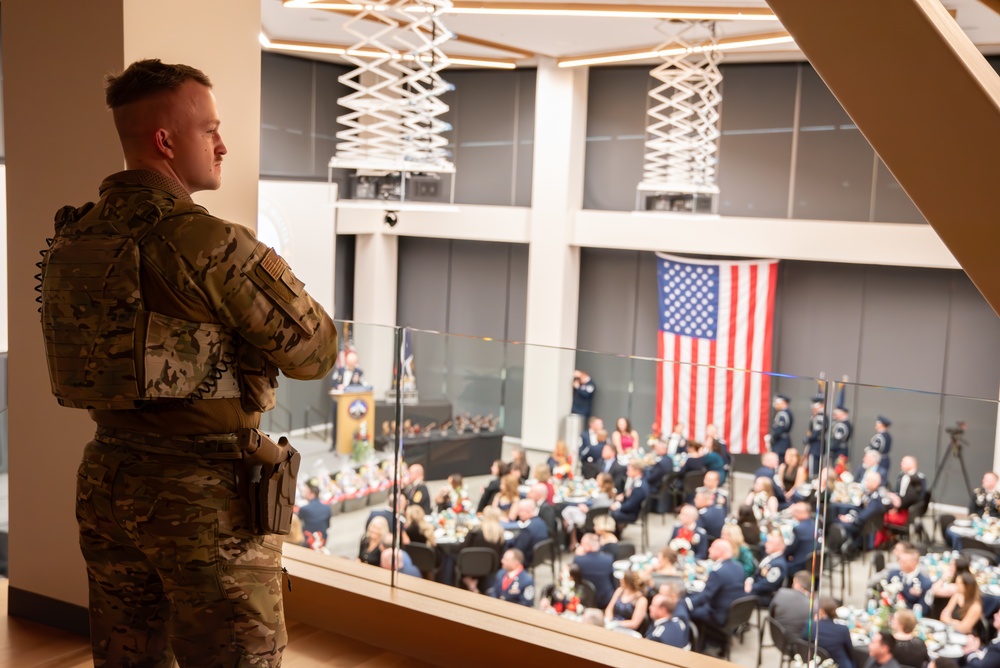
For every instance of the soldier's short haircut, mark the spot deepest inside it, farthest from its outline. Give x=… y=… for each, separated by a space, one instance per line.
x=148 y=77
x=804 y=578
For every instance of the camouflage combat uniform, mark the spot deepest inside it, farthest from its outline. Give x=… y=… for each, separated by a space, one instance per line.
x=175 y=569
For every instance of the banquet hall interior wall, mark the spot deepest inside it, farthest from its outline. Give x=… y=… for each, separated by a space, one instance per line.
x=928 y=298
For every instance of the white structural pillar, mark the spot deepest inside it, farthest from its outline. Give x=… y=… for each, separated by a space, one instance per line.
x=553 y=263
x=375 y=268
x=60 y=144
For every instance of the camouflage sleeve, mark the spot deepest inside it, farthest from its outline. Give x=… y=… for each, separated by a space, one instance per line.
x=250 y=288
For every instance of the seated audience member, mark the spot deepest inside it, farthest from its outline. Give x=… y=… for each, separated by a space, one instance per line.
x=519 y=464
x=721 y=496
x=724 y=585
x=770 y=574
x=506 y=499
x=710 y=516
x=965 y=607
x=985 y=502
x=769 y=463
x=834 y=638
x=574 y=517
x=596 y=567
x=315 y=514
x=590 y=448
x=593 y=616
x=543 y=508
x=452 y=495
x=741 y=552
x=560 y=458
x=628 y=505
x=543 y=475
x=488 y=534
x=418 y=529
x=386 y=561
x=792 y=472
x=532 y=529
x=703 y=457
x=371 y=543
x=415 y=490
x=676 y=441
x=604 y=527
x=881 y=649
x=716 y=443
x=624 y=437
x=665 y=563
x=790 y=605
x=915 y=584
x=676 y=592
x=748 y=524
x=871 y=460
x=661 y=470
x=628 y=603
x=874 y=503
x=498 y=470
x=609 y=464
x=295 y=535
x=943 y=589
x=386 y=513
x=666 y=628
x=908 y=491
x=800 y=551
x=687 y=529
x=513 y=583
x=910 y=649
x=762 y=499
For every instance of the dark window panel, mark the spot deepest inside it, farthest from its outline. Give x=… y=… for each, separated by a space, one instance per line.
x=892 y=204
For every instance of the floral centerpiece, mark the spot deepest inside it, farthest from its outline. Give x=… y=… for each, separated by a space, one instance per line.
x=681 y=546
x=563 y=472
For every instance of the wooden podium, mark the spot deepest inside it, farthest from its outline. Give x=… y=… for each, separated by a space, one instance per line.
x=353 y=409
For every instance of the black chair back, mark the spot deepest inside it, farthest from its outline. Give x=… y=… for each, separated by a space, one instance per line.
x=740 y=612
x=476 y=562
x=543 y=553
x=424 y=557
x=692 y=481
x=972 y=547
x=625 y=551
x=778 y=635
x=805 y=649
x=878 y=562
x=945 y=522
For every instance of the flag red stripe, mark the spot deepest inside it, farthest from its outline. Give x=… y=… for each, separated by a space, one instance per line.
x=734 y=282
x=711 y=382
x=659 y=380
x=692 y=370
x=675 y=413
x=750 y=378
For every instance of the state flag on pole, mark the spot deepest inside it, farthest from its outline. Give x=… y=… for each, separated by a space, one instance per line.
x=716 y=322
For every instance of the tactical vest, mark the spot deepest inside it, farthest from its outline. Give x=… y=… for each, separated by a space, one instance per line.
x=104 y=349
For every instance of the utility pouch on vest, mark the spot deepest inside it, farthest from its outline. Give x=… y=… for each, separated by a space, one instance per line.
x=272 y=471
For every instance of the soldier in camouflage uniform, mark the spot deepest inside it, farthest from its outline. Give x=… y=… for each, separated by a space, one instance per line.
x=170 y=326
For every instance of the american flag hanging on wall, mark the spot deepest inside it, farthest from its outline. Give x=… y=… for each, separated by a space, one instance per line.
x=716 y=320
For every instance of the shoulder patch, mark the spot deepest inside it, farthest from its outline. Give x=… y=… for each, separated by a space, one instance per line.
x=529 y=593
x=773 y=574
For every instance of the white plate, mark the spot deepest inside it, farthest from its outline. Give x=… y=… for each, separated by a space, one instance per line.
x=636 y=558
x=933 y=624
x=843 y=612
x=993 y=590
x=962 y=523
x=958 y=639
x=622 y=565
x=694 y=585
x=508 y=535
x=951 y=652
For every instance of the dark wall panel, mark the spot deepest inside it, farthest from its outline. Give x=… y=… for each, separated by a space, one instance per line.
x=892 y=204
x=819 y=318
x=343 y=307
x=422 y=297
x=905 y=321
x=607 y=300
x=517 y=305
x=971 y=330
x=647 y=317
x=477 y=289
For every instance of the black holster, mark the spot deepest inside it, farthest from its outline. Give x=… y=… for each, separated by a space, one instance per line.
x=271 y=470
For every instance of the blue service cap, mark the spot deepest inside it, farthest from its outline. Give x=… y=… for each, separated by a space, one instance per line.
x=884 y=420
x=783 y=397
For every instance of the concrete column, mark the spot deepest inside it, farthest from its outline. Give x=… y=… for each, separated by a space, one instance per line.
x=60 y=143
x=375 y=269
x=553 y=264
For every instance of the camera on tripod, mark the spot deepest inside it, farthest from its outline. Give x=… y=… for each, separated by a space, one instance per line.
x=957 y=430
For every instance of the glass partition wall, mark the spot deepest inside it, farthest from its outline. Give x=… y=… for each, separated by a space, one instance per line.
x=407 y=465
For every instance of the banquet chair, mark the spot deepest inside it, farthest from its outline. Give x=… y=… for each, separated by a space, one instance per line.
x=663 y=500
x=692 y=481
x=424 y=558
x=972 y=547
x=805 y=648
x=779 y=640
x=619 y=551
x=944 y=522
x=740 y=612
x=544 y=553
x=592 y=514
x=476 y=562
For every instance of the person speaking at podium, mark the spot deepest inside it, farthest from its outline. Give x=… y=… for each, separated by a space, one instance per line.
x=347 y=374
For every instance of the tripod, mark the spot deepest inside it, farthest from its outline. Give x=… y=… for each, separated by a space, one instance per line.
x=954 y=449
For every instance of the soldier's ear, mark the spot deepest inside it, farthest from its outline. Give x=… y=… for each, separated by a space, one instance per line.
x=164 y=142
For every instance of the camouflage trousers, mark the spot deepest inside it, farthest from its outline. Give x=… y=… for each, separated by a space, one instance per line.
x=174 y=571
